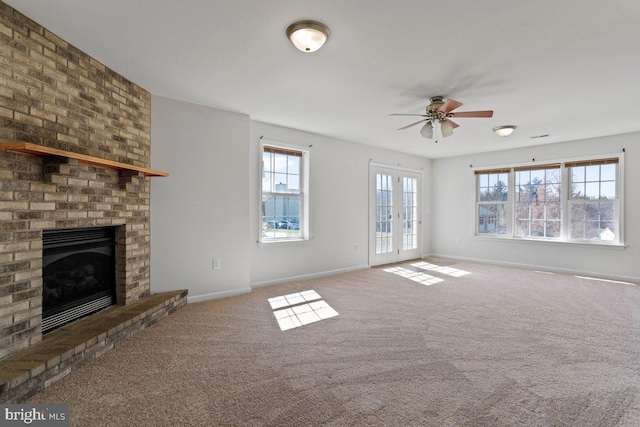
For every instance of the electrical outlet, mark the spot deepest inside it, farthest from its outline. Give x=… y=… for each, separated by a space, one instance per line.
x=216 y=264
x=357 y=247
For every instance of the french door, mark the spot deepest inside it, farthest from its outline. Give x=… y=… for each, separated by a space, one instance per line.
x=394 y=215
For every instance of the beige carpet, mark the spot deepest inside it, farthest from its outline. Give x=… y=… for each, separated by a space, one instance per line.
x=462 y=344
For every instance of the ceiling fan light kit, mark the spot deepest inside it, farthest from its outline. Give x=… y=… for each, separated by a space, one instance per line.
x=427 y=130
x=308 y=36
x=504 y=130
x=441 y=111
x=446 y=128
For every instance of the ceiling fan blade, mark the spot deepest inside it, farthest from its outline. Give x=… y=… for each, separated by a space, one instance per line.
x=485 y=113
x=454 y=124
x=449 y=105
x=413 y=124
x=421 y=115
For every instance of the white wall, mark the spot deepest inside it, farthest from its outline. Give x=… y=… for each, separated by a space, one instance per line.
x=339 y=197
x=201 y=211
x=453 y=207
x=209 y=206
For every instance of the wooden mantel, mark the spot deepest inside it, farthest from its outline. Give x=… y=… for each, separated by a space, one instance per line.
x=40 y=150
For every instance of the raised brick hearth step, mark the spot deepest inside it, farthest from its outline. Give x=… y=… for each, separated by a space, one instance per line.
x=26 y=373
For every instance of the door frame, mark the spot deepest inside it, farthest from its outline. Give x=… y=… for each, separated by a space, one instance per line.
x=371 y=232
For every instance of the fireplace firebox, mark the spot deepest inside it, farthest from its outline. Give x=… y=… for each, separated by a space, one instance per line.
x=79 y=274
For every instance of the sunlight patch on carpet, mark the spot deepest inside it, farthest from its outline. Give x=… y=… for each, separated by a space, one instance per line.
x=449 y=271
x=302 y=309
x=606 y=280
x=416 y=276
x=293 y=299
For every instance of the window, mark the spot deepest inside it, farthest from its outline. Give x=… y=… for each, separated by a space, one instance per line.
x=492 y=198
x=538 y=206
x=564 y=201
x=283 y=194
x=594 y=199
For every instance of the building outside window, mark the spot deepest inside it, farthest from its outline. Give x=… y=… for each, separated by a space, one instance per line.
x=492 y=197
x=284 y=184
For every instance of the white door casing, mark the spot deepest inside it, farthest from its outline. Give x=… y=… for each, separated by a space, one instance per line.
x=395 y=220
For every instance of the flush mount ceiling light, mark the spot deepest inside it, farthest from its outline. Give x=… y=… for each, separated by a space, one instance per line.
x=504 y=130
x=308 y=36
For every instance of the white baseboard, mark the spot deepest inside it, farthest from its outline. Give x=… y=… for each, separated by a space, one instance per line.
x=306 y=276
x=217 y=295
x=544 y=268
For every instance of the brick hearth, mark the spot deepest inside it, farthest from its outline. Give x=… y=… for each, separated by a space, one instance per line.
x=61 y=352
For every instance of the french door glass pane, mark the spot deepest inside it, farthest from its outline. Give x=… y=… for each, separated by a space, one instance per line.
x=384 y=213
x=409 y=213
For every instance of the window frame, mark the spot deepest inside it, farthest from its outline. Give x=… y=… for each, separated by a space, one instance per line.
x=615 y=202
x=545 y=221
x=303 y=192
x=505 y=203
x=565 y=200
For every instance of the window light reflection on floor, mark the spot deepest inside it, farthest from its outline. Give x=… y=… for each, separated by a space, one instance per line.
x=416 y=276
x=593 y=278
x=301 y=309
x=453 y=272
x=606 y=280
x=293 y=299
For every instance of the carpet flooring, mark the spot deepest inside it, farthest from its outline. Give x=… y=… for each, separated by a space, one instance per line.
x=426 y=343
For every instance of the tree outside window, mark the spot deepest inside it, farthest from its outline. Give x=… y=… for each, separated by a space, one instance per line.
x=538 y=204
x=492 y=198
x=593 y=200
x=537 y=208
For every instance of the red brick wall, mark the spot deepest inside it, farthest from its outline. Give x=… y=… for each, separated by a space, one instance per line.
x=53 y=94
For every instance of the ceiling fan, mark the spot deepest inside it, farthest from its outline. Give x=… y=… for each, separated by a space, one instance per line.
x=440 y=111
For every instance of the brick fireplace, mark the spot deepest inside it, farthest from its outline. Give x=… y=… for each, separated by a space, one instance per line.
x=54 y=95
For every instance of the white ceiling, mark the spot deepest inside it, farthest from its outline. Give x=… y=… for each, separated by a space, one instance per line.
x=570 y=69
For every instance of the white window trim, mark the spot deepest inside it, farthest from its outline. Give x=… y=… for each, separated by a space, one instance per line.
x=564 y=240
x=305 y=234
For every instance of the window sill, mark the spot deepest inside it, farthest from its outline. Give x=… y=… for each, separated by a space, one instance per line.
x=586 y=243
x=289 y=242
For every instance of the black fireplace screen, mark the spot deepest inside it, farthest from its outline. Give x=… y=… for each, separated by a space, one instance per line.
x=78 y=272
